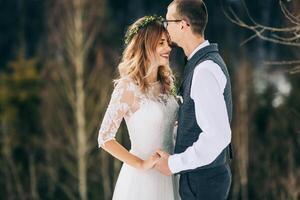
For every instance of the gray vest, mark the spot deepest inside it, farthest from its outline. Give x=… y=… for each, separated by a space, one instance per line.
x=188 y=129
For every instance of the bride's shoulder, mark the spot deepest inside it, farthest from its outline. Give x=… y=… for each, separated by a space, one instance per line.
x=126 y=83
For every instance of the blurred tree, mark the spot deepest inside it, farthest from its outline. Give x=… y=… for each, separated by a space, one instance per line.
x=79 y=53
x=259 y=160
x=289 y=35
x=19 y=97
x=78 y=71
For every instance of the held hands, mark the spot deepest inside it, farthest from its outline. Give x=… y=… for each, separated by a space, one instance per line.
x=162 y=165
x=150 y=162
x=159 y=160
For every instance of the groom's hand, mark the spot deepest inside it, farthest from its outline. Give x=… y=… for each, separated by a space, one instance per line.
x=162 y=164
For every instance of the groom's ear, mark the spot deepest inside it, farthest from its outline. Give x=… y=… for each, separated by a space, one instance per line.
x=184 y=23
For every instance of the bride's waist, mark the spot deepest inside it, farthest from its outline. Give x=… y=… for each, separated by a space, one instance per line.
x=143 y=154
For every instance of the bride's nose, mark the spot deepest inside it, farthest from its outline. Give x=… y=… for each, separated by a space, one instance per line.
x=168 y=48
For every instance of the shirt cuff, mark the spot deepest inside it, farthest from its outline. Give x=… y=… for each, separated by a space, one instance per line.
x=175 y=164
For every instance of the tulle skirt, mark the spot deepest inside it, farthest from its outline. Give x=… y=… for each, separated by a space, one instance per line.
x=134 y=184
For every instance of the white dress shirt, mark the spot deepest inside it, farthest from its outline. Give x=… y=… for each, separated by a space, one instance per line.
x=207 y=89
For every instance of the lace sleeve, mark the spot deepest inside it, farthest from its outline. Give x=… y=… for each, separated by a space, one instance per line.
x=121 y=100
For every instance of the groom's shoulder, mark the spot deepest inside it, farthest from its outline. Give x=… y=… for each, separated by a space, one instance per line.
x=208 y=64
x=209 y=67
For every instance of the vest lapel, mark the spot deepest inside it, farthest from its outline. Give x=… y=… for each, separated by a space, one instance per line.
x=192 y=63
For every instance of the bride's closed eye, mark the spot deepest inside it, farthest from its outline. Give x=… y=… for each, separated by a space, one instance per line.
x=162 y=43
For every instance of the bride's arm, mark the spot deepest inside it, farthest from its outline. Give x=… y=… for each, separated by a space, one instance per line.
x=119 y=152
x=120 y=104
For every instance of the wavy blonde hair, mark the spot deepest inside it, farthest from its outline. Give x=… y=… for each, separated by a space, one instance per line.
x=135 y=62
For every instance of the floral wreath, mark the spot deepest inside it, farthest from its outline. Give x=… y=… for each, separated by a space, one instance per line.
x=137 y=27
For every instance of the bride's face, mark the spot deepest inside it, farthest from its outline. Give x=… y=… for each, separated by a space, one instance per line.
x=163 y=50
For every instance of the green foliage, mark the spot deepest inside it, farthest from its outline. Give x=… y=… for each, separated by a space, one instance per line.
x=19 y=115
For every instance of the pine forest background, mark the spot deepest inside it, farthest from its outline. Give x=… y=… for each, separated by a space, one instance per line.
x=57 y=62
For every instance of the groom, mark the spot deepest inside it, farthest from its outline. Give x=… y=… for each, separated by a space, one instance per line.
x=202 y=149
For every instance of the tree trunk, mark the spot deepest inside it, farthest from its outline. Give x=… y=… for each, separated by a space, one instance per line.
x=241 y=132
x=6 y=169
x=33 y=187
x=11 y=166
x=106 y=180
x=80 y=98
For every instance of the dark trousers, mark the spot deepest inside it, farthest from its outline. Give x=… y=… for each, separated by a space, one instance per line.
x=205 y=184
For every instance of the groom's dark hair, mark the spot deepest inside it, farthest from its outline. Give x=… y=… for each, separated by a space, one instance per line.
x=194 y=12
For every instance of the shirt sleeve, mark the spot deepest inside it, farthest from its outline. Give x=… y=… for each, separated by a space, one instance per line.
x=211 y=114
x=119 y=105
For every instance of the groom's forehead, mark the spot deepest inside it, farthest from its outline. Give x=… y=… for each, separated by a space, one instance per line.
x=172 y=4
x=172 y=7
x=171 y=10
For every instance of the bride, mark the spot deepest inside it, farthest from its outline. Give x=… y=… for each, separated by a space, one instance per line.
x=142 y=96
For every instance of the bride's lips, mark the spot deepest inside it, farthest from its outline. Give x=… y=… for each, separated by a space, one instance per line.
x=165 y=55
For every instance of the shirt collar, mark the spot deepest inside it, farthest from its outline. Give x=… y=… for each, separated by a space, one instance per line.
x=202 y=45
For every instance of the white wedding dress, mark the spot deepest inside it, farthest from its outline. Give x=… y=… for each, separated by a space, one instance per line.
x=150 y=119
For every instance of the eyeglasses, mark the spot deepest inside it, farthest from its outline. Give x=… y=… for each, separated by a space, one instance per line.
x=166 y=22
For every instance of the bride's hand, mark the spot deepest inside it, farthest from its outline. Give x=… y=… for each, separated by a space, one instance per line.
x=150 y=162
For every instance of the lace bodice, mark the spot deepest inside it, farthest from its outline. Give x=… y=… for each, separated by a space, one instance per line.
x=149 y=117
